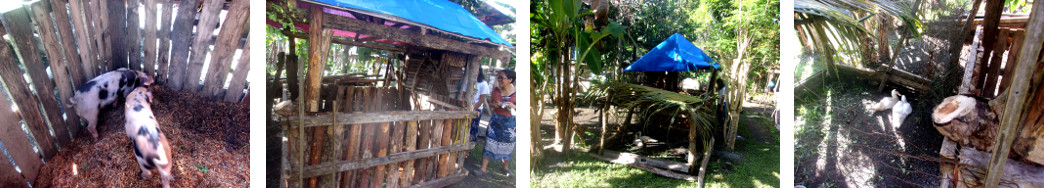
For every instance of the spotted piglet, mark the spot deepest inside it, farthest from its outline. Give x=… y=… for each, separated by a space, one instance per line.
x=101 y=91
x=150 y=145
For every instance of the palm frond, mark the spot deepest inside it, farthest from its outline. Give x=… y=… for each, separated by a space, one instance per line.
x=698 y=109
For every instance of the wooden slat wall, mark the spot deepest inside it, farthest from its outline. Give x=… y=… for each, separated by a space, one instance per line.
x=81 y=39
x=997 y=77
x=377 y=141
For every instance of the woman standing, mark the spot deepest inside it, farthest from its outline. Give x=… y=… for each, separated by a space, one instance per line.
x=500 y=135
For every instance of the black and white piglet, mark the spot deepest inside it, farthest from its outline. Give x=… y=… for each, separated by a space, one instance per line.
x=101 y=91
x=150 y=145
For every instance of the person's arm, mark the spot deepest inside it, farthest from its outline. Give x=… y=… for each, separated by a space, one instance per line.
x=482 y=98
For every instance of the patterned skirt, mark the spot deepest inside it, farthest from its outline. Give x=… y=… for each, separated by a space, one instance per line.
x=500 y=137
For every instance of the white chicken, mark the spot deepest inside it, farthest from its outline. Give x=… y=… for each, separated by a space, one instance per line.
x=886 y=103
x=900 y=111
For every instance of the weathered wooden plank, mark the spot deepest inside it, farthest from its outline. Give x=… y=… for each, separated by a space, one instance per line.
x=180 y=41
x=397 y=130
x=150 y=38
x=411 y=145
x=389 y=116
x=49 y=38
x=72 y=58
x=1017 y=95
x=1012 y=59
x=23 y=38
x=100 y=12
x=11 y=133
x=116 y=32
x=970 y=66
x=383 y=138
x=441 y=182
x=316 y=150
x=8 y=176
x=995 y=63
x=333 y=167
x=436 y=141
x=989 y=36
x=333 y=151
x=239 y=76
x=164 y=41
x=201 y=45
x=133 y=37
x=424 y=142
x=444 y=159
x=228 y=40
x=86 y=51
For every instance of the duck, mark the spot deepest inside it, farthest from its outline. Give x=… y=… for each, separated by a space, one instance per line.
x=900 y=111
x=887 y=102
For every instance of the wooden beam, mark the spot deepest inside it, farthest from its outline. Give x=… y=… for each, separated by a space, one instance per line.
x=318 y=49
x=352 y=43
x=381 y=31
x=208 y=19
x=9 y=177
x=1017 y=95
x=340 y=166
x=181 y=39
x=52 y=47
x=224 y=50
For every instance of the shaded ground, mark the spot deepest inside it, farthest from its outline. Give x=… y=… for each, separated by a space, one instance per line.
x=577 y=169
x=840 y=143
x=209 y=139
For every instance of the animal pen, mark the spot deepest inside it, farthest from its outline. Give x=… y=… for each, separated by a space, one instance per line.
x=52 y=47
x=403 y=124
x=1006 y=71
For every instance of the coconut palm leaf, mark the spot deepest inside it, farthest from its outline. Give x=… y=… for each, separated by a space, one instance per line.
x=698 y=109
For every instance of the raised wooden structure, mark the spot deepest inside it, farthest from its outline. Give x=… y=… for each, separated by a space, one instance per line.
x=402 y=124
x=1011 y=76
x=83 y=38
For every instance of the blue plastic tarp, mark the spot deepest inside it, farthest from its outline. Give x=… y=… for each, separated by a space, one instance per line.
x=676 y=54
x=440 y=14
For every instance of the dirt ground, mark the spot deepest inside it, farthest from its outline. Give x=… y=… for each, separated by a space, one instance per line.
x=496 y=176
x=210 y=142
x=840 y=143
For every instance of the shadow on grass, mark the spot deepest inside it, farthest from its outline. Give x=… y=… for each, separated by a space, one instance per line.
x=838 y=143
x=578 y=169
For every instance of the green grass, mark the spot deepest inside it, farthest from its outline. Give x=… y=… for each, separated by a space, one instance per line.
x=760 y=169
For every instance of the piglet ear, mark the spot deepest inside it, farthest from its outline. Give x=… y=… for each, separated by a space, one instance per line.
x=146 y=79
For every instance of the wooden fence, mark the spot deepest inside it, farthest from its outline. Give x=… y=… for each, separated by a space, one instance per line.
x=370 y=138
x=54 y=46
x=988 y=75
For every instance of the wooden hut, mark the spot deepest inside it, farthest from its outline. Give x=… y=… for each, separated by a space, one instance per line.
x=402 y=124
x=54 y=46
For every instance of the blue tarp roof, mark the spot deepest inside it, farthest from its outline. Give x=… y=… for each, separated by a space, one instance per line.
x=675 y=54
x=440 y=14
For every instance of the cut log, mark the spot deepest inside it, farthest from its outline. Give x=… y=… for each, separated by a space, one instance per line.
x=973 y=122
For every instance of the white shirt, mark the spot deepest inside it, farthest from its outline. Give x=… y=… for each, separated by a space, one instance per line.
x=482 y=88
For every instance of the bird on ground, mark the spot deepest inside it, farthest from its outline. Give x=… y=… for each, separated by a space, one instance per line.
x=886 y=103
x=900 y=111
